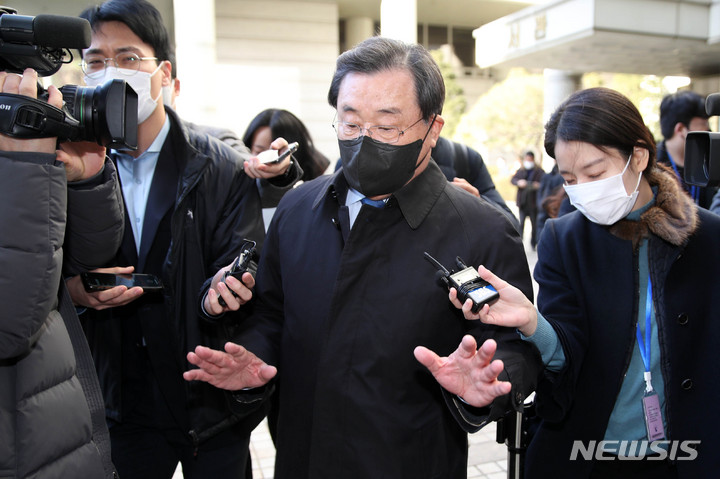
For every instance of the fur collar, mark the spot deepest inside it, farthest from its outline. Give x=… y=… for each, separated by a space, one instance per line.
x=673 y=217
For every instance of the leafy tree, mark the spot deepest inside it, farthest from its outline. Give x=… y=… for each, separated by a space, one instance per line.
x=507 y=120
x=455 y=102
x=645 y=91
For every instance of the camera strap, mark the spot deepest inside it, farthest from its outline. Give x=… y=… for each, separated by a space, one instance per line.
x=87 y=375
x=25 y=117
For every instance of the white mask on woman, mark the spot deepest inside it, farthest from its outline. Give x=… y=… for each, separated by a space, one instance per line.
x=604 y=201
x=139 y=81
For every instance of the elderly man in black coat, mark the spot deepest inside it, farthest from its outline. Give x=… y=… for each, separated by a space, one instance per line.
x=344 y=295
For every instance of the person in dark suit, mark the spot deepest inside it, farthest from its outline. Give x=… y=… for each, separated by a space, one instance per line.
x=189 y=208
x=344 y=294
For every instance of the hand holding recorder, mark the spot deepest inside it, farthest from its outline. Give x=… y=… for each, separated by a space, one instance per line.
x=511 y=309
x=231 y=287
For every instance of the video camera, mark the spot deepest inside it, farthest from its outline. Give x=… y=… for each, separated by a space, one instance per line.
x=702 y=151
x=106 y=114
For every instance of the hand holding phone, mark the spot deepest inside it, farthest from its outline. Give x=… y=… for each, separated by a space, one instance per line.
x=272 y=156
x=93 y=281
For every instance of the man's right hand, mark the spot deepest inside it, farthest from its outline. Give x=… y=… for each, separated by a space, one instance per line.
x=110 y=298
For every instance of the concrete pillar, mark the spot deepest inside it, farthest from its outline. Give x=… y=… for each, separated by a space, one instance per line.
x=358 y=29
x=196 y=58
x=398 y=20
x=559 y=84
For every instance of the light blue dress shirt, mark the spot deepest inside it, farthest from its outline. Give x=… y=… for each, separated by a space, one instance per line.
x=354 y=202
x=136 y=176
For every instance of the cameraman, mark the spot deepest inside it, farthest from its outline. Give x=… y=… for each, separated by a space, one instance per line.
x=62 y=213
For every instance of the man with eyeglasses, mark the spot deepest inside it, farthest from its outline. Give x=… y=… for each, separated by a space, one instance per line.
x=344 y=295
x=189 y=206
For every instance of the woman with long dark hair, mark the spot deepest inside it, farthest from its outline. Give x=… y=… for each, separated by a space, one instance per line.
x=627 y=308
x=275 y=123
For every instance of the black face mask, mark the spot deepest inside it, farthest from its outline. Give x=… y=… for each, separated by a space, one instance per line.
x=374 y=168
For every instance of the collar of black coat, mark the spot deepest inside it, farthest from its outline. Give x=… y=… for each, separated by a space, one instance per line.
x=415 y=199
x=673 y=217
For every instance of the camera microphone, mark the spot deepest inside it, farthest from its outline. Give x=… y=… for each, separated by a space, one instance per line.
x=712 y=104
x=51 y=31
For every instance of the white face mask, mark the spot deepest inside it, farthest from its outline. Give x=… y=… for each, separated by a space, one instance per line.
x=528 y=165
x=604 y=201
x=139 y=81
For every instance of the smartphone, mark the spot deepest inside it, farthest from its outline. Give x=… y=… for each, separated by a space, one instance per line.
x=102 y=281
x=271 y=156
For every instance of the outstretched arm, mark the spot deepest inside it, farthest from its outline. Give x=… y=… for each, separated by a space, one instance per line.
x=234 y=369
x=512 y=309
x=468 y=372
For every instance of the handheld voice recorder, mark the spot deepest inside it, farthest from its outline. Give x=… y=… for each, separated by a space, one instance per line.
x=466 y=282
x=246 y=261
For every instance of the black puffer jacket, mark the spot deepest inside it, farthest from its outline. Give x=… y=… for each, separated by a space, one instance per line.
x=201 y=208
x=45 y=424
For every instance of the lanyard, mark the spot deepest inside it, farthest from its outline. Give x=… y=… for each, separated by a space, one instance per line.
x=645 y=346
x=694 y=190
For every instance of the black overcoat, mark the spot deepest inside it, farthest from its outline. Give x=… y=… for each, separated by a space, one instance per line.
x=340 y=311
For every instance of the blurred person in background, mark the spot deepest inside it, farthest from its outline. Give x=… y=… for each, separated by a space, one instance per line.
x=277 y=123
x=527 y=179
x=681 y=113
x=273 y=123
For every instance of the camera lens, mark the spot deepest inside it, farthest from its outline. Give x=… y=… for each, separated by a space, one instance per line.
x=107 y=114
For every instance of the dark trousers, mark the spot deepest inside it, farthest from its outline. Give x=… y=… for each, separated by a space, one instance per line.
x=150 y=443
x=140 y=452
x=533 y=223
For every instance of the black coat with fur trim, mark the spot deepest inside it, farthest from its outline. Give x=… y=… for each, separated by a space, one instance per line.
x=588 y=277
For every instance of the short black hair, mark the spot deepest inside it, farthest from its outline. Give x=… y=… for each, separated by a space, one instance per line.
x=378 y=54
x=680 y=107
x=142 y=18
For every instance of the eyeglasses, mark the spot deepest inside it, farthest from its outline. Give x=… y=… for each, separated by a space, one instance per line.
x=386 y=134
x=94 y=65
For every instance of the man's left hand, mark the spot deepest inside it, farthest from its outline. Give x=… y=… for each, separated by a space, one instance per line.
x=468 y=372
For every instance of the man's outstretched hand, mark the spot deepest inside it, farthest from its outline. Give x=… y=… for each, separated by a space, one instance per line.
x=468 y=372
x=234 y=369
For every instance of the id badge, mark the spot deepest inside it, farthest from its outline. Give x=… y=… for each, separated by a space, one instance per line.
x=653 y=417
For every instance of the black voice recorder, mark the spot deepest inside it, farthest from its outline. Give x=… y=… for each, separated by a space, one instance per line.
x=246 y=261
x=466 y=282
